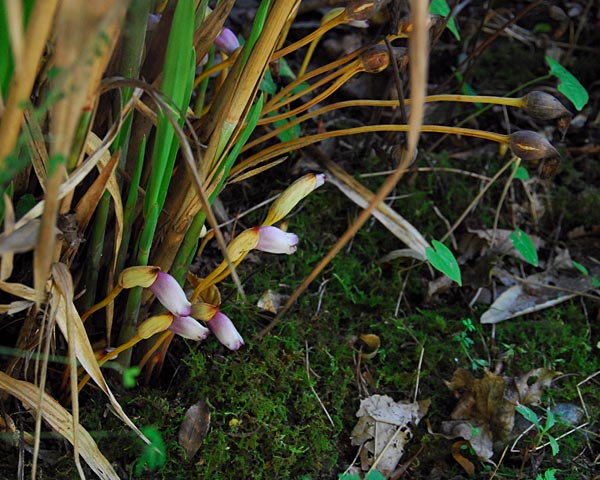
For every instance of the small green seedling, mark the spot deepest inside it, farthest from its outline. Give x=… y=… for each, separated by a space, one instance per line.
x=522 y=174
x=443 y=259
x=154 y=455
x=585 y=272
x=523 y=244
x=548 y=475
x=467 y=342
x=372 y=475
x=543 y=430
x=129 y=376
x=569 y=86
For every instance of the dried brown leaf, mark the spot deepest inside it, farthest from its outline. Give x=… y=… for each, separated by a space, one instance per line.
x=383 y=430
x=194 y=428
x=61 y=421
x=83 y=349
x=485 y=412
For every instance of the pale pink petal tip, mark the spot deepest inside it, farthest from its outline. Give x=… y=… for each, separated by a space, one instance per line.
x=225 y=331
x=170 y=294
x=275 y=240
x=189 y=327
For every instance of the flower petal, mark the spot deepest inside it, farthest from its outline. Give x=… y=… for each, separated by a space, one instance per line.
x=227 y=42
x=225 y=331
x=292 y=195
x=153 y=325
x=204 y=311
x=140 y=276
x=171 y=295
x=275 y=240
x=188 y=327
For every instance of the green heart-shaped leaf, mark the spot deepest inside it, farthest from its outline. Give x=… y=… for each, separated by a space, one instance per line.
x=569 y=85
x=443 y=259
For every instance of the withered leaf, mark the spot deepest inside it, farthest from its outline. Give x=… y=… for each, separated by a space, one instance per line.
x=485 y=412
x=194 y=428
x=383 y=430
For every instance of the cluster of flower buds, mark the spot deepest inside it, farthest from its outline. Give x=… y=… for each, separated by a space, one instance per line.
x=183 y=317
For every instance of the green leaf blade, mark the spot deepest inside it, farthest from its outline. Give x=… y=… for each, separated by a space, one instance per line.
x=440 y=7
x=523 y=244
x=443 y=260
x=569 y=85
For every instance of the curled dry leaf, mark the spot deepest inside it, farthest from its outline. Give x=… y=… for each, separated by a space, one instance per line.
x=366 y=345
x=271 y=301
x=383 y=429
x=194 y=428
x=537 y=292
x=61 y=421
x=485 y=412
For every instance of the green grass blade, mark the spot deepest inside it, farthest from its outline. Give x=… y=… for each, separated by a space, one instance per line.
x=129 y=210
x=225 y=167
x=257 y=28
x=177 y=67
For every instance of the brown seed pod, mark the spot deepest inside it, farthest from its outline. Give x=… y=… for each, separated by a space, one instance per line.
x=548 y=167
x=363 y=9
x=530 y=145
x=375 y=59
x=543 y=106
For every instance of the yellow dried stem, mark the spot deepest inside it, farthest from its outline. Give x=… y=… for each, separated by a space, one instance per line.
x=24 y=76
x=234 y=100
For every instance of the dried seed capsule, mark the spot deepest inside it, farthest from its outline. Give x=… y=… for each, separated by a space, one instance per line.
x=548 y=167
x=531 y=145
x=375 y=59
x=362 y=9
x=543 y=106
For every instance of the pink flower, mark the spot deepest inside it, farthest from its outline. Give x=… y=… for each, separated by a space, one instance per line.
x=275 y=240
x=227 y=42
x=189 y=327
x=225 y=331
x=170 y=294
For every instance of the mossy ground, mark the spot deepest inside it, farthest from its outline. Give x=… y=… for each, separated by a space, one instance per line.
x=266 y=420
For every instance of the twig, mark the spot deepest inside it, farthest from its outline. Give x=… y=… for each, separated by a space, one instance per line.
x=312 y=388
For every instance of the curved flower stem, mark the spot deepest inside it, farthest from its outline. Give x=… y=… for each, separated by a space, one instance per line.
x=228 y=62
x=109 y=298
x=319 y=32
x=164 y=337
x=345 y=76
x=286 y=147
x=347 y=59
x=512 y=102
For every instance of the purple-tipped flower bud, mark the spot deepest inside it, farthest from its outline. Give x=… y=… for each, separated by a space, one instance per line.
x=188 y=327
x=362 y=9
x=227 y=42
x=543 y=106
x=275 y=240
x=530 y=145
x=375 y=59
x=171 y=295
x=225 y=331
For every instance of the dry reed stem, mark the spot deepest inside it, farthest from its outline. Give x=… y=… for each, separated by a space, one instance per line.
x=24 y=76
x=418 y=54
